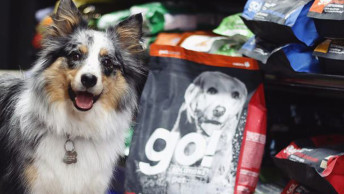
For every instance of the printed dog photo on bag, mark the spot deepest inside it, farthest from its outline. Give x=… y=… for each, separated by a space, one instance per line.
x=212 y=106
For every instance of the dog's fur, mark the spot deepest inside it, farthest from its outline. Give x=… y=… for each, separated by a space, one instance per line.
x=213 y=103
x=38 y=111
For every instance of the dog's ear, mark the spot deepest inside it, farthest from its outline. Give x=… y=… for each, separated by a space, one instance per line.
x=194 y=89
x=66 y=19
x=190 y=96
x=129 y=33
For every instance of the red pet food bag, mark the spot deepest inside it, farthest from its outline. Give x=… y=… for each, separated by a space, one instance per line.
x=317 y=163
x=293 y=187
x=201 y=125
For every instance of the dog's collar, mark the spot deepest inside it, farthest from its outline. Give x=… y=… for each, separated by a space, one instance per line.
x=70 y=155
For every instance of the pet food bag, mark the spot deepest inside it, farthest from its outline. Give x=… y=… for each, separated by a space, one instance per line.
x=233 y=26
x=267 y=188
x=317 y=163
x=165 y=16
x=293 y=187
x=211 y=43
x=331 y=56
x=281 y=21
x=328 y=17
x=112 y=18
x=160 y=17
x=258 y=49
x=168 y=38
x=201 y=125
x=289 y=58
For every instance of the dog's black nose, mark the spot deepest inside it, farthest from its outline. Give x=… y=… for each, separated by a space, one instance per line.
x=88 y=80
x=219 y=111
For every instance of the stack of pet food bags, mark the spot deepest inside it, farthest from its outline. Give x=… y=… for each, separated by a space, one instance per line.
x=201 y=125
x=284 y=36
x=167 y=16
x=226 y=39
x=329 y=20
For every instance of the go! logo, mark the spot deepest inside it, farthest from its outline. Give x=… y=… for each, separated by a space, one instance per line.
x=205 y=148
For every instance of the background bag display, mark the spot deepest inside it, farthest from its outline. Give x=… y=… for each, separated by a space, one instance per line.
x=279 y=21
x=201 y=125
x=165 y=16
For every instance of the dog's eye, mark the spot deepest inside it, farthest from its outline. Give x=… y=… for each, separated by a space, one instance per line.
x=108 y=66
x=107 y=63
x=212 y=90
x=75 y=56
x=235 y=95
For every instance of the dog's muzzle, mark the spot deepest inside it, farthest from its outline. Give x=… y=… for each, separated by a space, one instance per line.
x=219 y=111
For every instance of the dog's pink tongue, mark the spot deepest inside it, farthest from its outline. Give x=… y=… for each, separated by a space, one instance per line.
x=84 y=100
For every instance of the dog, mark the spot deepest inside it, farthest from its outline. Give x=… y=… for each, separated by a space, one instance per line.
x=62 y=128
x=212 y=106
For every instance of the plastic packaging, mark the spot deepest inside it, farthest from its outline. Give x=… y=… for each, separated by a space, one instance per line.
x=201 y=125
x=281 y=21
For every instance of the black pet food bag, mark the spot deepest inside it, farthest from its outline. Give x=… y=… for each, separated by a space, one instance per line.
x=328 y=18
x=331 y=56
x=201 y=126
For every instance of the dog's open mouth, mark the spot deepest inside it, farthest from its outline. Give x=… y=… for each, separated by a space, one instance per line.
x=203 y=120
x=82 y=101
x=208 y=126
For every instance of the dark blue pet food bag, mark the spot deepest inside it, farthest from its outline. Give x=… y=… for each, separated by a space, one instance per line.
x=201 y=125
x=292 y=57
x=281 y=21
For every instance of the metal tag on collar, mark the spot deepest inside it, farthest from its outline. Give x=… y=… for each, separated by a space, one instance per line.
x=70 y=155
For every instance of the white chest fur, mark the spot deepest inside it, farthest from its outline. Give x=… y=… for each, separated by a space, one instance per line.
x=90 y=175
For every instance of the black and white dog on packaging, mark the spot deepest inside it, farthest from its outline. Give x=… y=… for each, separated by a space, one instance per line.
x=62 y=128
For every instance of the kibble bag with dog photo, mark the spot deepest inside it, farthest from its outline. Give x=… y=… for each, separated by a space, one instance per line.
x=201 y=125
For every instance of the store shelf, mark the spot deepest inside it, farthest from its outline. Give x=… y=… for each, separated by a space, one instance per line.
x=317 y=84
x=318 y=81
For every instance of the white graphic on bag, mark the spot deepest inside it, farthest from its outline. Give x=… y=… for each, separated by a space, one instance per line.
x=199 y=147
x=255 y=6
x=324 y=2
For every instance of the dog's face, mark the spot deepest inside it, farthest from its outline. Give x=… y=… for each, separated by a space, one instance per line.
x=83 y=67
x=86 y=82
x=213 y=99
